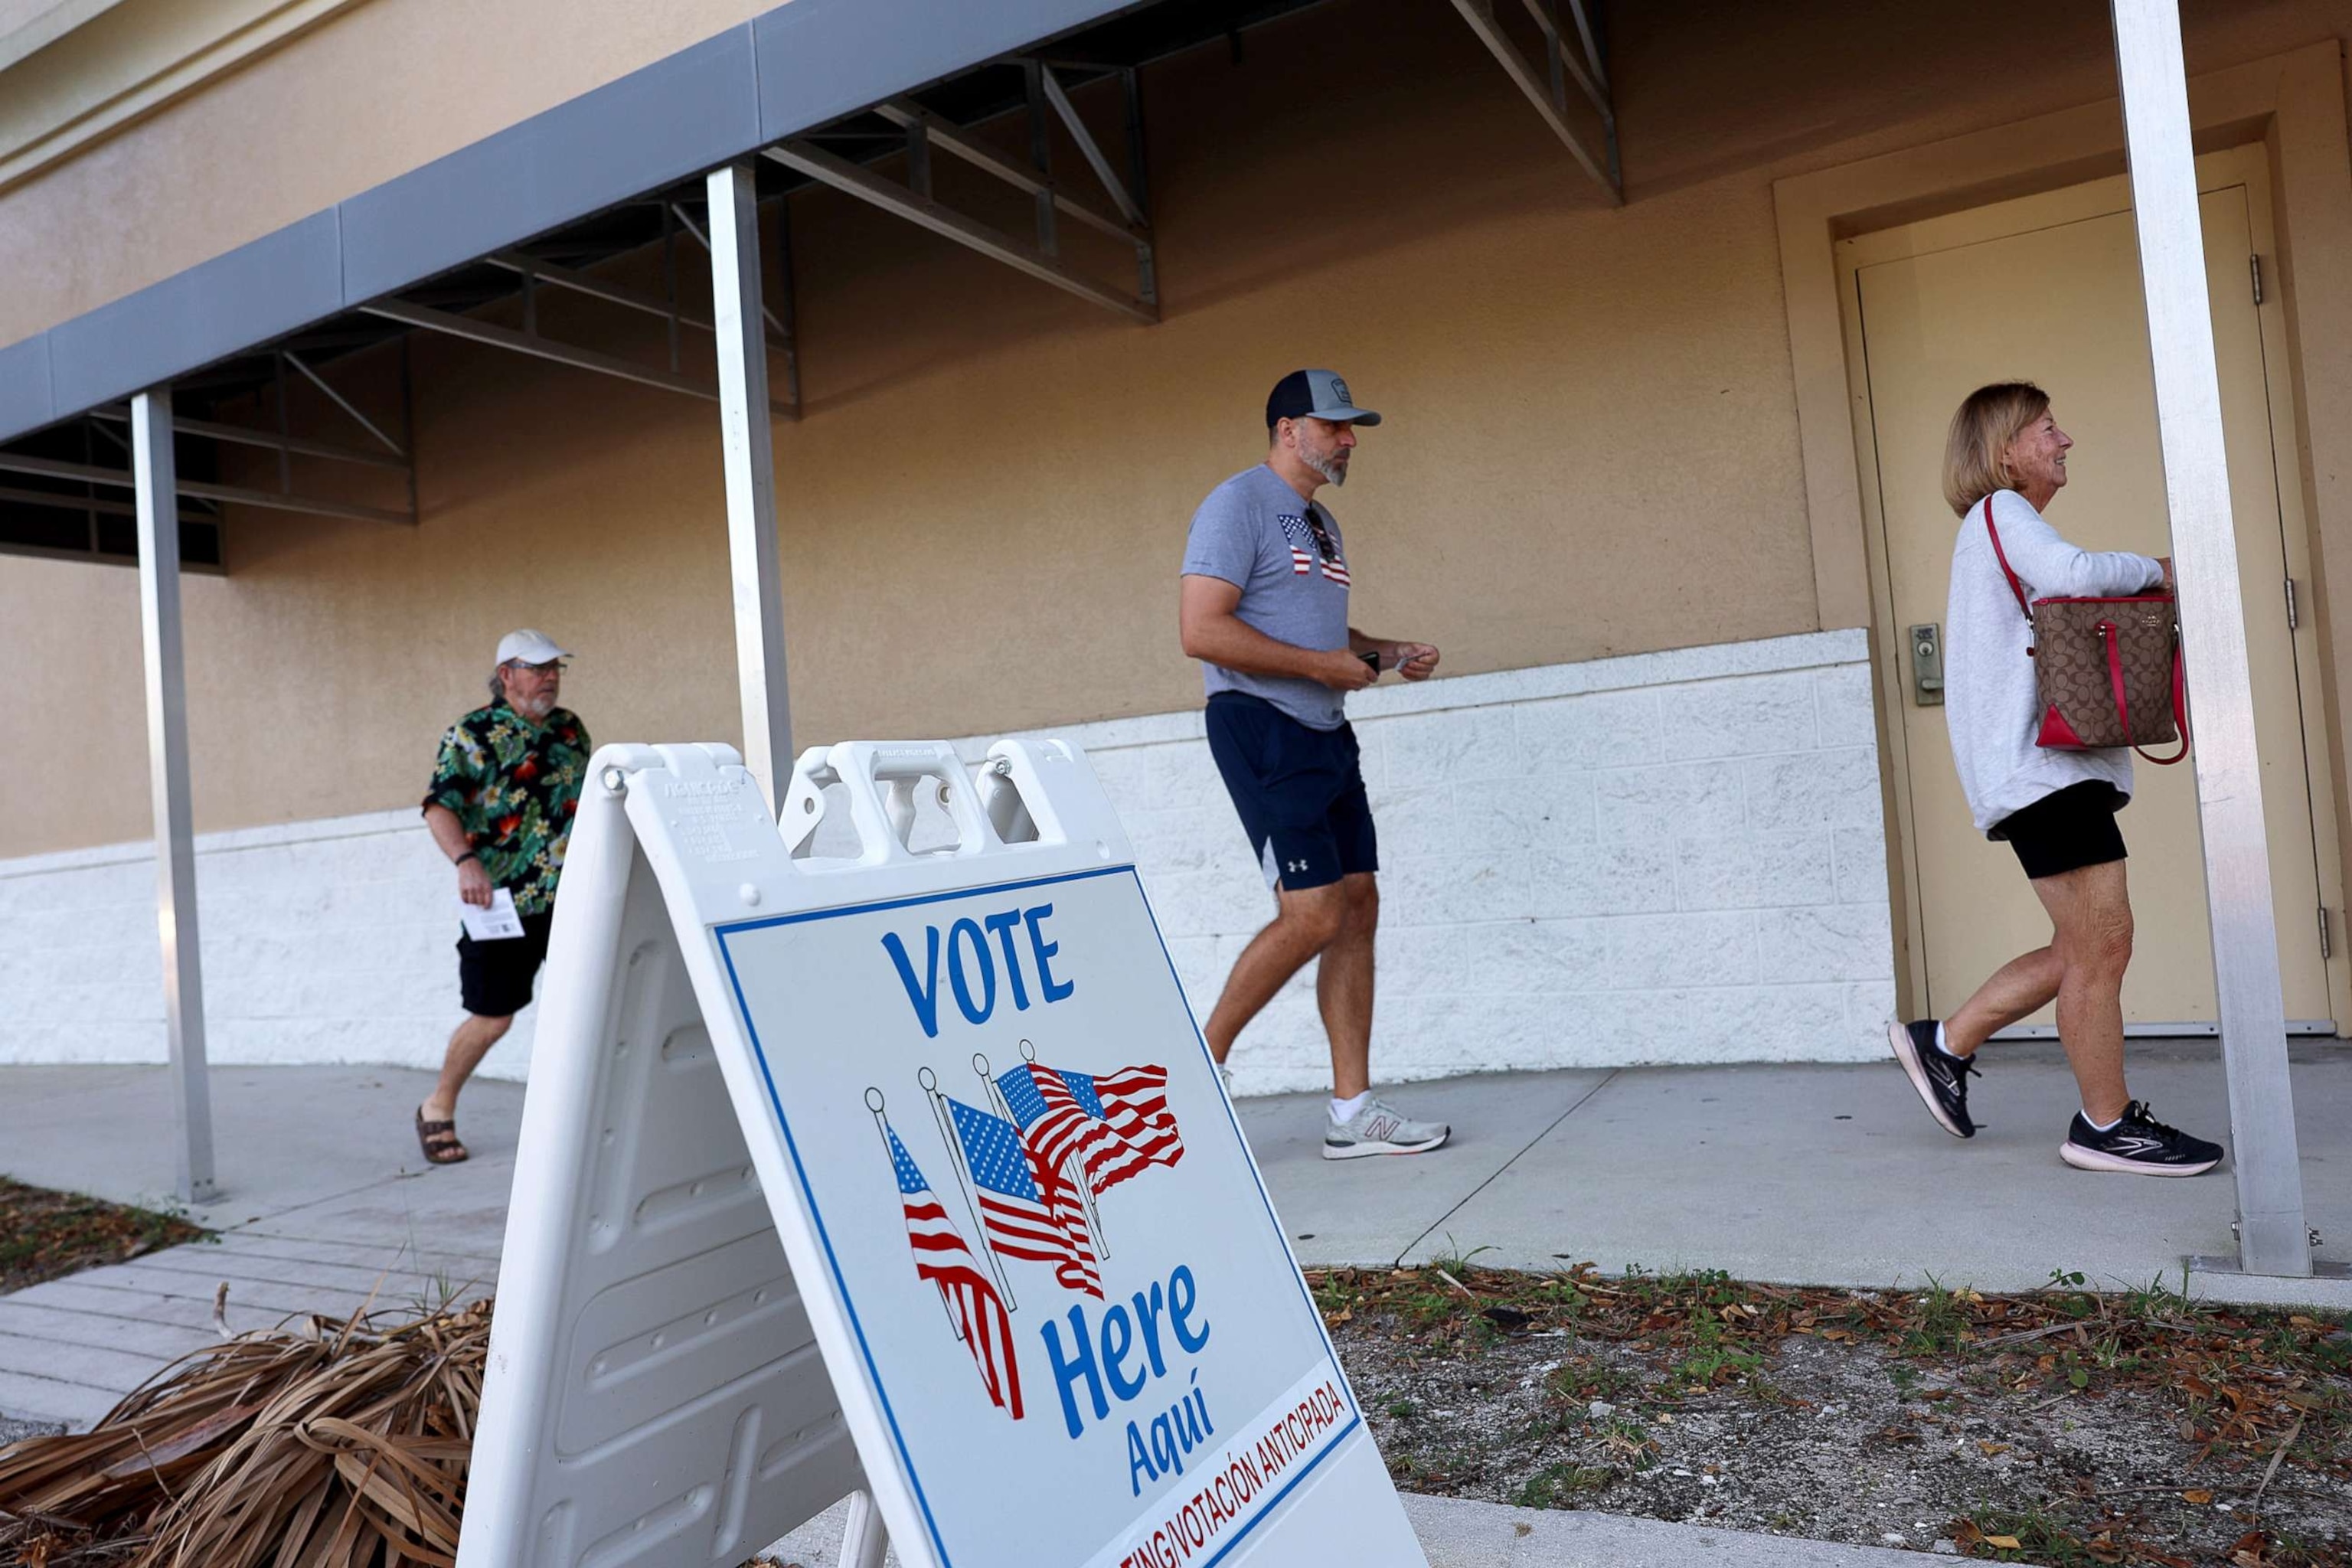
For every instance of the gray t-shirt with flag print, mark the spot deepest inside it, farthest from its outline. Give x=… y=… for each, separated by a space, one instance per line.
x=1255 y=532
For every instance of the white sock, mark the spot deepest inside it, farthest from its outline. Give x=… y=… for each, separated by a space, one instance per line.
x=1940 y=1040
x=2096 y=1127
x=1345 y=1109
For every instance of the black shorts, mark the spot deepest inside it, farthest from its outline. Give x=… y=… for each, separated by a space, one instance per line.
x=494 y=977
x=1299 y=792
x=2066 y=831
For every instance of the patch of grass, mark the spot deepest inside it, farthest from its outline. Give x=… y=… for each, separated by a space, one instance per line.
x=46 y=1235
x=1938 y=1317
x=1557 y=1484
x=2030 y=1535
x=1584 y=1381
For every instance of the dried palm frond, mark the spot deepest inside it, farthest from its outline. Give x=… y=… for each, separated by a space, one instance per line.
x=323 y=1445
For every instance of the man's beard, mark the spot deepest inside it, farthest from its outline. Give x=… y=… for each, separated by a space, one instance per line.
x=533 y=708
x=1331 y=466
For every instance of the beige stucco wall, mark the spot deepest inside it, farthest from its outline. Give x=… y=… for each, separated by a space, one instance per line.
x=374 y=93
x=1591 y=447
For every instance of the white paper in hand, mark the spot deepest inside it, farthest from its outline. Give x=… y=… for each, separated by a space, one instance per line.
x=496 y=923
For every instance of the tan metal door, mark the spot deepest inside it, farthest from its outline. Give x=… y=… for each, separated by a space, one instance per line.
x=2047 y=289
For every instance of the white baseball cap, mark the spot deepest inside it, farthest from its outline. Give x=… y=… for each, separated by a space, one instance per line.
x=529 y=647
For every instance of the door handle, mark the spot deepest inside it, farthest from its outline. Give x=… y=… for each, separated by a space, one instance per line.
x=1926 y=665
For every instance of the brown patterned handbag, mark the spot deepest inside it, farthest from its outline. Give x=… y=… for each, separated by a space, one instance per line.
x=2108 y=671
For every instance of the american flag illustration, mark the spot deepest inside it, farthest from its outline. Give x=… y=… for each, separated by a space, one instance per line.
x=1057 y=1127
x=1302 y=543
x=972 y=1303
x=1028 y=1212
x=1134 y=1100
x=1307 y=539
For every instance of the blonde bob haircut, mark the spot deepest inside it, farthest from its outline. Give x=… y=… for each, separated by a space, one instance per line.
x=1990 y=418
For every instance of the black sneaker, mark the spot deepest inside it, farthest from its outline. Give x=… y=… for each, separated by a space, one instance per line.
x=1941 y=1078
x=2139 y=1144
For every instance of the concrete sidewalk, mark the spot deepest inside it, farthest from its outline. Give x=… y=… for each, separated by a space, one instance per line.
x=1811 y=1174
x=1457 y=1532
x=1806 y=1175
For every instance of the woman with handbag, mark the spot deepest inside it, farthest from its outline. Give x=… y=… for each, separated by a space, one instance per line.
x=2034 y=783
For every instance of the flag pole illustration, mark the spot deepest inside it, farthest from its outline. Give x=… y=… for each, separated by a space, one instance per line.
x=1073 y=1162
x=890 y=1140
x=960 y=1166
x=975 y=1313
x=1066 y=1168
x=1026 y=1209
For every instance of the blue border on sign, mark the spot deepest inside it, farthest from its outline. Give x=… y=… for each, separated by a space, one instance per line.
x=825 y=1237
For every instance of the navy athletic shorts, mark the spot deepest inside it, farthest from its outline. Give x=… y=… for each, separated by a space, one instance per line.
x=1299 y=792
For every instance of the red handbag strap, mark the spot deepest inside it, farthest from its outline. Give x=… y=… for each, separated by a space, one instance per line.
x=2001 y=555
x=2123 y=704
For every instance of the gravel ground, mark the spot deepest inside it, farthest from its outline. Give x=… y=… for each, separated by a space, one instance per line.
x=1967 y=1452
x=14 y=1431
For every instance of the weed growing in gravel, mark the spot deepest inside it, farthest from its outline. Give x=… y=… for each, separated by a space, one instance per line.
x=1557 y=1484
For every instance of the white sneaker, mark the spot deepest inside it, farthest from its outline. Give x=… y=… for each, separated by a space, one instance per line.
x=1380 y=1127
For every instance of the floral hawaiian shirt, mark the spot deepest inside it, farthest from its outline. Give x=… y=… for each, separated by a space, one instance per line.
x=514 y=786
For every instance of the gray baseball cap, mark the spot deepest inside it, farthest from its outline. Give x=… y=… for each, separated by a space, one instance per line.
x=1319 y=393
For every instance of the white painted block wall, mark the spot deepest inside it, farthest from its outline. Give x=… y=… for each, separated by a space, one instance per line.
x=1667 y=857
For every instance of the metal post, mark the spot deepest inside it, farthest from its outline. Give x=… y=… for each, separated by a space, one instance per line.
x=748 y=440
x=863 y=1538
x=785 y=315
x=918 y=157
x=669 y=280
x=1147 y=260
x=167 y=758
x=1041 y=155
x=2271 y=1236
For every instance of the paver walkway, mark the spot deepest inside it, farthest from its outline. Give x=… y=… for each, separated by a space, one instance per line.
x=1809 y=1175
x=326 y=1203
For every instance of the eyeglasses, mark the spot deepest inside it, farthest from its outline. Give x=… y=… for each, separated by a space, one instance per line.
x=1323 y=540
x=552 y=667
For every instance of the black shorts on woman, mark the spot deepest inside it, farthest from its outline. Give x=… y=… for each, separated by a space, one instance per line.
x=2065 y=831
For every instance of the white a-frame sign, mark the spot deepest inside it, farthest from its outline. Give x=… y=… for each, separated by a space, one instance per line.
x=904 y=1170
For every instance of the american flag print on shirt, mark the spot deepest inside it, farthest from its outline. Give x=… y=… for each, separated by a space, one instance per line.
x=974 y=1306
x=1026 y=1213
x=1302 y=543
x=1305 y=550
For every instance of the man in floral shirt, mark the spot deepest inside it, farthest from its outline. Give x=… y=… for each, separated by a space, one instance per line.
x=501 y=808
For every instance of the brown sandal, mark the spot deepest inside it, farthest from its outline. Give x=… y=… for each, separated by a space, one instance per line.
x=440 y=1141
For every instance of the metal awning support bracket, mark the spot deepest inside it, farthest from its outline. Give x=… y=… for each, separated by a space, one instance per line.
x=167 y=757
x=1581 y=62
x=489 y=334
x=928 y=135
x=2273 y=1238
x=188 y=489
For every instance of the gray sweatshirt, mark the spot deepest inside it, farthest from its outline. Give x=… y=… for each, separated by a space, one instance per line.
x=1989 y=701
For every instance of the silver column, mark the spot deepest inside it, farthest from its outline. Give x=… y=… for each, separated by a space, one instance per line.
x=157 y=480
x=748 y=440
x=2272 y=1239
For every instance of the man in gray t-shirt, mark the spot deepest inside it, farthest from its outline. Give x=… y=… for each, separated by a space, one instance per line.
x=1264 y=609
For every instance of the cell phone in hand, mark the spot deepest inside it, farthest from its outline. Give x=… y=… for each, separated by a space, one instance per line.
x=1371 y=661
